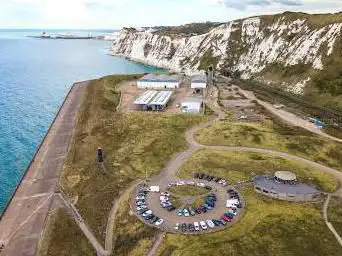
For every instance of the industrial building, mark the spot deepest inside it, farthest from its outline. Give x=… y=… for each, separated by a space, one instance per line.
x=192 y=105
x=284 y=186
x=199 y=81
x=155 y=81
x=153 y=100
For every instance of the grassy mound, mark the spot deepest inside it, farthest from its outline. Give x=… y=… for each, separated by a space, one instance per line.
x=242 y=166
x=273 y=135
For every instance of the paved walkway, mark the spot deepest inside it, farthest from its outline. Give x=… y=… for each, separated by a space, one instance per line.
x=156 y=243
x=23 y=221
x=326 y=220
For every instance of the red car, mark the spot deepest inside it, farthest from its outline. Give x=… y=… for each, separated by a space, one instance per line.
x=224 y=217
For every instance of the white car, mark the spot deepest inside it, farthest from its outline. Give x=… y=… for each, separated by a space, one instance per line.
x=210 y=224
x=165 y=194
x=149 y=212
x=197 y=227
x=141 y=207
x=200 y=184
x=191 y=183
x=171 y=184
x=233 y=212
x=159 y=222
x=177 y=226
x=140 y=197
x=203 y=225
x=180 y=183
x=164 y=198
x=186 y=213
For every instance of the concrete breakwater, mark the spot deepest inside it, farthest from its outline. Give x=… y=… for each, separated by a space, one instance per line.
x=22 y=222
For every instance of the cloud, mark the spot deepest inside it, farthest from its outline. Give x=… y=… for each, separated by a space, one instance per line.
x=243 y=4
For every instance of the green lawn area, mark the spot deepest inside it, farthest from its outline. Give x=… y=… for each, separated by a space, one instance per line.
x=132 y=236
x=63 y=237
x=241 y=166
x=335 y=214
x=273 y=135
x=188 y=190
x=133 y=143
x=268 y=228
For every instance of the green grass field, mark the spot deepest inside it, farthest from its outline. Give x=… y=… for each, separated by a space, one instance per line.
x=268 y=228
x=273 y=135
x=63 y=237
x=335 y=214
x=134 y=144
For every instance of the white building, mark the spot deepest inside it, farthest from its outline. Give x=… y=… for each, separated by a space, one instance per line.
x=153 y=100
x=192 y=105
x=199 y=81
x=159 y=81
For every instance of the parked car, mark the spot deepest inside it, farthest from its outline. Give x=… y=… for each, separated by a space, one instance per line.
x=140 y=203
x=177 y=226
x=154 y=219
x=180 y=183
x=191 y=227
x=226 y=218
x=201 y=175
x=208 y=207
x=141 y=207
x=159 y=222
x=148 y=212
x=142 y=211
x=148 y=217
x=191 y=183
x=196 y=175
x=203 y=225
x=198 y=210
x=233 y=212
x=210 y=224
x=192 y=212
x=217 y=179
x=200 y=184
x=167 y=194
x=171 y=208
x=180 y=212
x=217 y=222
x=171 y=184
x=140 y=197
x=183 y=227
x=186 y=213
x=204 y=209
x=197 y=227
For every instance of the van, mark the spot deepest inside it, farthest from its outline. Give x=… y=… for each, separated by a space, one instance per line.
x=197 y=228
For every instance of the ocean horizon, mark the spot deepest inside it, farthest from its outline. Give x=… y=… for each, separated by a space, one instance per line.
x=35 y=76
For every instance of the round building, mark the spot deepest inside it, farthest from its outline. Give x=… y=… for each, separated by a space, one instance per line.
x=284 y=186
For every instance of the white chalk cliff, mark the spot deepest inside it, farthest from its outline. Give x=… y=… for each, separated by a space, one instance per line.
x=248 y=46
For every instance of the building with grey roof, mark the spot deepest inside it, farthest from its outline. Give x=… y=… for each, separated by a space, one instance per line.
x=156 y=81
x=283 y=186
x=199 y=81
x=153 y=100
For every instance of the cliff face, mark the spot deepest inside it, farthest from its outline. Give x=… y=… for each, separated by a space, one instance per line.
x=288 y=49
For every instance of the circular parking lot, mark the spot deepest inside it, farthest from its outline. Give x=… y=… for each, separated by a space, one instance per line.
x=202 y=204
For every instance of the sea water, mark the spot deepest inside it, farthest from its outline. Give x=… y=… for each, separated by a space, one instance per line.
x=35 y=76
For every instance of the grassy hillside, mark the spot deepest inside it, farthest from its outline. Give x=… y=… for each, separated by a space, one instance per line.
x=273 y=134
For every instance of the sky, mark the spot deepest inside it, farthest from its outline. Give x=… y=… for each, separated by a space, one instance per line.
x=115 y=14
